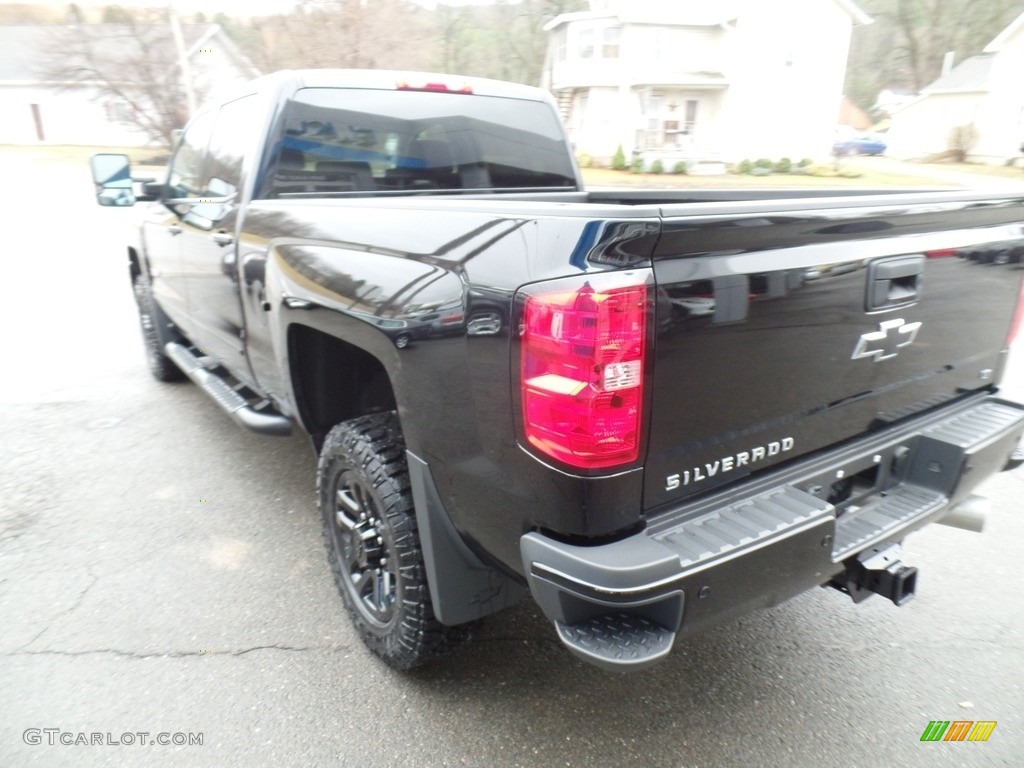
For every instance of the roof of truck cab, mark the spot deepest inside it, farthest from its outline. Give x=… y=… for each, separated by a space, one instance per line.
x=386 y=79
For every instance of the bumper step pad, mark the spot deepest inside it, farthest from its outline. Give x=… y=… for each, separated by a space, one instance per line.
x=855 y=530
x=618 y=638
x=747 y=523
x=622 y=605
x=975 y=442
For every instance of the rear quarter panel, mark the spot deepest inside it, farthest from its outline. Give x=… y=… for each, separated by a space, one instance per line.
x=447 y=275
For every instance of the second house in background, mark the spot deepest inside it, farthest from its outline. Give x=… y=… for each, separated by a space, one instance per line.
x=701 y=82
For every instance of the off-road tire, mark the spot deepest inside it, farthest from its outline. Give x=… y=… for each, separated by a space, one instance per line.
x=150 y=317
x=373 y=546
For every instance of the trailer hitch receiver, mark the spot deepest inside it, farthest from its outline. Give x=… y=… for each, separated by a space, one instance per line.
x=878 y=571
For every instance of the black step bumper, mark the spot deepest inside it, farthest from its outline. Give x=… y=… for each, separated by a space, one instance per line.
x=622 y=605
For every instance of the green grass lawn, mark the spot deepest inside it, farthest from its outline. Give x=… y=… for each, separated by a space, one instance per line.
x=1002 y=171
x=68 y=154
x=869 y=178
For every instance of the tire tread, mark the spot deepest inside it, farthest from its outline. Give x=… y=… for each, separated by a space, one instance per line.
x=374 y=445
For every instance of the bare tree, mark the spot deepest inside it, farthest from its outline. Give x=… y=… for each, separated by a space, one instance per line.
x=905 y=46
x=525 y=40
x=134 y=63
x=383 y=34
x=961 y=140
x=504 y=40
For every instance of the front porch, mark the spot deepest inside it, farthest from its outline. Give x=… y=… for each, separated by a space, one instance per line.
x=671 y=147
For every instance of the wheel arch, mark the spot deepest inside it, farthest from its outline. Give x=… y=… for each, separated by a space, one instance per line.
x=334 y=381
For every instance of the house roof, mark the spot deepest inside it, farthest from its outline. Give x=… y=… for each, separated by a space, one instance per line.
x=971 y=76
x=19 y=52
x=687 y=16
x=856 y=12
x=683 y=13
x=23 y=47
x=997 y=44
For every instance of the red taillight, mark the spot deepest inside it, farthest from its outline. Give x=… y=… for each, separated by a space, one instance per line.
x=404 y=85
x=582 y=369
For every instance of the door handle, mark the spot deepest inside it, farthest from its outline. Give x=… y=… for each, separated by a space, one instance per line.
x=174 y=229
x=295 y=303
x=895 y=282
x=222 y=238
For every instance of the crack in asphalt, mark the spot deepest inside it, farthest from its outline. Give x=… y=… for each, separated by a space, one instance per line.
x=17 y=526
x=68 y=611
x=179 y=654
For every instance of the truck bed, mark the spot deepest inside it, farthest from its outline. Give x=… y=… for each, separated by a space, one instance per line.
x=776 y=332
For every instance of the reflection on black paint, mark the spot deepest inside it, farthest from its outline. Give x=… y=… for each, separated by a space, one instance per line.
x=781 y=343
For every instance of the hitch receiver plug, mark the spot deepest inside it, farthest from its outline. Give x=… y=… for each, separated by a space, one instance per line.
x=878 y=570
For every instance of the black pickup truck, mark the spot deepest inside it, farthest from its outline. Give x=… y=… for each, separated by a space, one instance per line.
x=652 y=410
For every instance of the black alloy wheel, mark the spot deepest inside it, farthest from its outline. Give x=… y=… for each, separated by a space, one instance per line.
x=373 y=545
x=363 y=544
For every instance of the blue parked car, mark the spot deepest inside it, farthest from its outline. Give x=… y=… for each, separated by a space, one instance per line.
x=859 y=144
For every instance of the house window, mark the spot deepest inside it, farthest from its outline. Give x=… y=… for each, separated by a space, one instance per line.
x=586 y=43
x=654 y=101
x=691 y=116
x=610 y=42
x=561 y=47
x=117 y=111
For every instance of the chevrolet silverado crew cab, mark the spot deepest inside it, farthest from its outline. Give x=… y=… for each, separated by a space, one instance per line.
x=650 y=410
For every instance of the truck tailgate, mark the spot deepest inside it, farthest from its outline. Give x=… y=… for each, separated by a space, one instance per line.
x=788 y=328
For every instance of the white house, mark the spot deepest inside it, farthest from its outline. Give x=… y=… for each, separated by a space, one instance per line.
x=702 y=81
x=984 y=91
x=37 y=109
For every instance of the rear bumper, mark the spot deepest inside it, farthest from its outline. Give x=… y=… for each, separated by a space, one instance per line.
x=622 y=605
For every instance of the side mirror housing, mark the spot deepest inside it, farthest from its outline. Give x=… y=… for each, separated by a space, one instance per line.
x=151 y=189
x=112 y=175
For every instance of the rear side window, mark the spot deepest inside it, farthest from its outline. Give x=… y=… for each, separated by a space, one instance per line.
x=344 y=141
x=186 y=174
x=231 y=137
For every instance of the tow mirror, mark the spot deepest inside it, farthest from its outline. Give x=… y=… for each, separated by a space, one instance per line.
x=112 y=175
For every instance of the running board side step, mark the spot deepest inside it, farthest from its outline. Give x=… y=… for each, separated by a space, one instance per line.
x=263 y=422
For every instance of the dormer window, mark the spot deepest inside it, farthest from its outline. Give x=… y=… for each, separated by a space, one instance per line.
x=586 y=43
x=597 y=42
x=610 y=42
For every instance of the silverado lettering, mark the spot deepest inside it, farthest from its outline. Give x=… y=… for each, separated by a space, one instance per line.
x=729 y=463
x=499 y=369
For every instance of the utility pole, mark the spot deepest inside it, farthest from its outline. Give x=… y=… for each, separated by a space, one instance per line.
x=186 y=68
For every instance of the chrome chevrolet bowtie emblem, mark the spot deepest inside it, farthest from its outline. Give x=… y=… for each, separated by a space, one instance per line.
x=886 y=343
